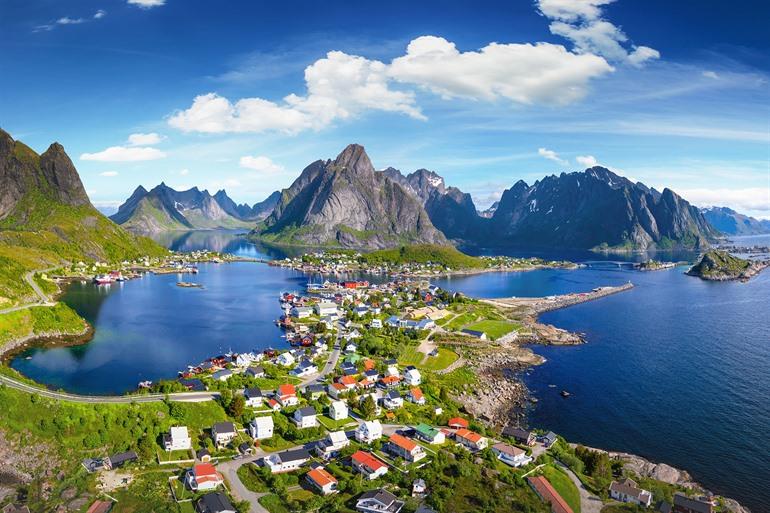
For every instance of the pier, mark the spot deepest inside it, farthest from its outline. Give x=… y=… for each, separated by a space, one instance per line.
x=539 y=305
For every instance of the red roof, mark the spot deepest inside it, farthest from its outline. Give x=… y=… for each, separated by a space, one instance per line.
x=549 y=494
x=204 y=469
x=457 y=422
x=99 y=507
x=287 y=389
x=321 y=477
x=416 y=394
x=388 y=380
x=348 y=380
x=367 y=460
x=403 y=442
x=468 y=435
x=369 y=364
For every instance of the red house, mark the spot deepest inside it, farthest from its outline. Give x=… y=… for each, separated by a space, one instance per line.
x=457 y=423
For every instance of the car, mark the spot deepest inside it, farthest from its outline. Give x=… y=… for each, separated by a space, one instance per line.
x=410 y=432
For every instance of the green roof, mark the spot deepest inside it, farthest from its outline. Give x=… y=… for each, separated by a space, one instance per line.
x=426 y=430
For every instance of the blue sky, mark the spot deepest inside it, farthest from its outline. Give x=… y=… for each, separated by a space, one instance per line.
x=243 y=95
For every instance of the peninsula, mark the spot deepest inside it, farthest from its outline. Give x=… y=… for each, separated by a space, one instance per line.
x=718 y=265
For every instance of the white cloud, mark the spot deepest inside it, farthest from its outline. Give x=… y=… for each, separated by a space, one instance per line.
x=710 y=74
x=260 y=163
x=109 y=173
x=755 y=199
x=184 y=172
x=124 y=154
x=147 y=4
x=586 y=160
x=551 y=155
x=101 y=13
x=144 y=139
x=581 y=22
x=69 y=21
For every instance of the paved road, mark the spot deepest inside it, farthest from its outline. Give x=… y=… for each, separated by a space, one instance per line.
x=43 y=299
x=230 y=470
x=589 y=503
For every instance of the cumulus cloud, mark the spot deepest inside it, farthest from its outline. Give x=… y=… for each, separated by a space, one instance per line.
x=260 y=163
x=756 y=199
x=109 y=173
x=581 y=22
x=586 y=160
x=551 y=155
x=147 y=4
x=124 y=154
x=144 y=139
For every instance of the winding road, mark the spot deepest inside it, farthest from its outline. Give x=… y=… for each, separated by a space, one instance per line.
x=43 y=299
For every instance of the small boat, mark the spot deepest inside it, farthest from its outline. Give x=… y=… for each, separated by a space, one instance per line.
x=102 y=279
x=564 y=394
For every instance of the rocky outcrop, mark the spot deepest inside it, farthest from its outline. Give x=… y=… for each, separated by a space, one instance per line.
x=345 y=202
x=717 y=265
x=245 y=212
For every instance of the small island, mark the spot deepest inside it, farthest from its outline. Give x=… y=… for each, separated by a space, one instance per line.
x=654 y=265
x=717 y=265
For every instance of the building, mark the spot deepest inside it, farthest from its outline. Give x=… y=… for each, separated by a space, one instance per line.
x=305 y=417
x=378 y=501
x=685 y=504
x=223 y=433
x=549 y=439
x=376 y=324
x=203 y=455
x=412 y=377
x=286 y=461
x=429 y=434
x=214 y=503
x=305 y=368
x=177 y=439
x=476 y=334
x=330 y=446
x=419 y=488
x=416 y=396
x=285 y=359
x=338 y=410
x=364 y=463
x=222 y=375
x=203 y=477
x=287 y=395
x=628 y=491
x=458 y=423
x=321 y=479
x=369 y=431
x=261 y=428
x=511 y=455
x=393 y=400
x=335 y=390
x=471 y=440
x=405 y=448
x=253 y=397
x=120 y=459
x=522 y=436
x=325 y=308
x=301 y=312
x=255 y=372
x=548 y=494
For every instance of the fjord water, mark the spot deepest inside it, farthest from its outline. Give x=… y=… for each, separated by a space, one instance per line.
x=675 y=370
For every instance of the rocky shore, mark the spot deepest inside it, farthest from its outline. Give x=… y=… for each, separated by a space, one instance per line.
x=47 y=339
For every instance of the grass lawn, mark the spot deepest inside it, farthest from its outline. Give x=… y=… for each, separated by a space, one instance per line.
x=251 y=480
x=335 y=425
x=273 y=504
x=495 y=329
x=564 y=485
x=411 y=356
x=460 y=321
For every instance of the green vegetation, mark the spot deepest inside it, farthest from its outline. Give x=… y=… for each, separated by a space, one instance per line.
x=563 y=485
x=423 y=254
x=411 y=356
x=494 y=329
x=720 y=265
x=40 y=320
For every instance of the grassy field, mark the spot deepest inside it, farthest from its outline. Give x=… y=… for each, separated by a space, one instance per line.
x=411 y=356
x=564 y=486
x=494 y=329
x=40 y=319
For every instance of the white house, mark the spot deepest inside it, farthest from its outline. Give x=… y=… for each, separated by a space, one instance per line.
x=511 y=455
x=301 y=312
x=222 y=375
x=376 y=323
x=378 y=501
x=471 y=440
x=416 y=396
x=223 y=433
x=351 y=348
x=325 y=308
x=369 y=431
x=332 y=444
x=429 y=434
x=628 y=491
x=305 y=368
x=253 y=397
x=321 y=479
x=405 y=448
x=177 y=440
x=305 y=417
x=286 y=359
x=286 y=461
x=261 y=428
x=286 y=395
x=338 y=410
x=366 y=464
x=412 y=377
x=393 y=400
x=203 y=477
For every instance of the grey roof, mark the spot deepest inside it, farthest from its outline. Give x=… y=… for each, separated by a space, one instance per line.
x=122 y=457
x=474 y=333
x=214 y=503
x=307 y=411
x=223 y=427
x=517 y=432
x=381 y=495
x=202 y=452
x=692 y=503
x=252 y=392
x=393 y=394
x=315 y=387
x=255 y=370
x=294 y=454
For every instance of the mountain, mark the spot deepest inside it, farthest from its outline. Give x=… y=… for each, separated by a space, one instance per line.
x=265 y=207
x=46 y=219
x=488 y=213
x=716 y=265
x=596 y=209
x=345 y=202
x=450 y=210
x=244 y=212
x=165 y=209
x=730 y=222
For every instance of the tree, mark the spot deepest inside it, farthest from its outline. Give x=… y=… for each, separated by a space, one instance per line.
x=368 y=407
x=237 y=405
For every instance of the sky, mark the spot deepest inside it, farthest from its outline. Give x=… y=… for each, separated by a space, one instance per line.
x=243 y=95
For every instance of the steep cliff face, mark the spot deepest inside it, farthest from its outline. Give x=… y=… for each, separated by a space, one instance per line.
x=596 y=209
x=245 y=212
x=346 y=202
x=730 y=222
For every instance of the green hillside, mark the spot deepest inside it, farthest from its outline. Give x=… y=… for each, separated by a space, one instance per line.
x=422 y=254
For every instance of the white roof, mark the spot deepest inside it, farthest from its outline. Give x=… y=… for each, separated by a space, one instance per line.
x=338 y=404
x=372 y=426
x=337 y=437
x=179 y=432
x=263 y=422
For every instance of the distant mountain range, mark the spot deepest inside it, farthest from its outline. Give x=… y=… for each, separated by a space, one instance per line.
x=730 y=222
x=165 y=209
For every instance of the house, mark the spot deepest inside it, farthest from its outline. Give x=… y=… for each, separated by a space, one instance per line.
x=335 y=390
x=253 y=397
x=203 y=477
x=405 y=448
x=378 y=501
x=286 y=394
x=549 y=439
x=314 y=391
x=349 y=382
x=393 y=400
x=338 y=410
x=330 y=446
x=412 y=377
x=458 y=423
x=511 y=455
x=321 y=479
x=261 y=428
x=372 y=373
x=255 y=372
x=543 y=488
x=203 y=455
x=223 y=433
x=325 y=308
x=369 y=431
x=354 y=334
x=177 y=440
x=476 y=334
x=193 y=385
x=685 y=504
x=351 y=348
x=348 y=368
x=222 y=375
x=419 y=488
x=366 y=383
x=286 y=461
x=285 y=359
x=390 y=381
x=393 y=321
x=522 y=436
x=376 y=324
x=470 y=440
x=364 y=463
x=305 y=417
x=96 y=507
x=429 y=434
x=305 y=368
x=416 y=396
x=274 y=405
x=628 y=491
x=301 y=312
x=214 y=503
x=120 y=459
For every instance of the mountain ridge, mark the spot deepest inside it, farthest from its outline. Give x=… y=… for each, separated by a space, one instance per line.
x=730 y=222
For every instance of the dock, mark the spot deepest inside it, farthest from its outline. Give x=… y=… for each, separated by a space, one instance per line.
x=539 y=305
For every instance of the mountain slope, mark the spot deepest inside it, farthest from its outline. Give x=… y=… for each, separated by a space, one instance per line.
x=46 y=219
x=165 y=209
x=596 y=209
x=730 y=222
x=347 y=203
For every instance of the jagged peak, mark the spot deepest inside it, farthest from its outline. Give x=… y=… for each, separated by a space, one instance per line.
x=54 y=149
x=354 y=158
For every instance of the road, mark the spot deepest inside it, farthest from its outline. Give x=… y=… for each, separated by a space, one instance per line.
x=589 y=503
x=230 y=470
x=43 y=299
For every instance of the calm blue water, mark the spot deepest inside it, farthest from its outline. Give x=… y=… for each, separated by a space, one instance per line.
x=675 y=370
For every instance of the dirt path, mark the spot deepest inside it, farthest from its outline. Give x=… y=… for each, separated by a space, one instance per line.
x=589 y=503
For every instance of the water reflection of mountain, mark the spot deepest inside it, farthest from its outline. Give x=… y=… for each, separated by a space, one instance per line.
x=582 y=255
x=223 y=241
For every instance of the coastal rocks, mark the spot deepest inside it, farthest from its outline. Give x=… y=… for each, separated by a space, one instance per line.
x=717 y=265
x=551 y=335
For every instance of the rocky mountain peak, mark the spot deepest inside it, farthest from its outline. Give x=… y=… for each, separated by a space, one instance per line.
x=355 y=159
x=60 y=174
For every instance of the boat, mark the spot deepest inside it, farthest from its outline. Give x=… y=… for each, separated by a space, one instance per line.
x=564 y=394
x=102 y=279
